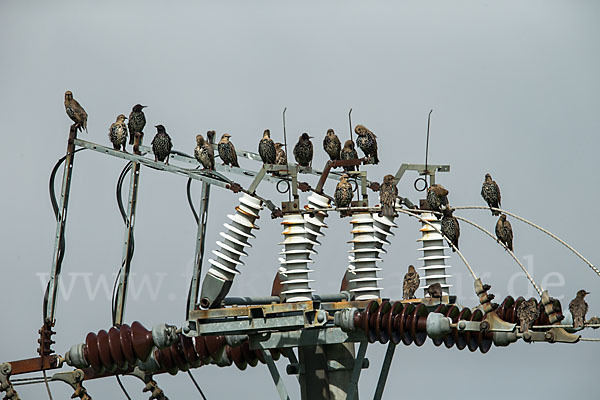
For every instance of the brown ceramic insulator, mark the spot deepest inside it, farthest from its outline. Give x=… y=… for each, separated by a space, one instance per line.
x=362 y=320
x=506 y=304
x=165 y=360
x=418 y=327
x=215 y=345
x=460 y=337
x=141 y=339
x=200 y=348
x=235 y=354
x=178 y=357
x=473 y=337
x=104 y=351
x=452 y=312
x=187 y=347
x=381 y=322
x=249 y=355
x=126 y=344
x=393 y=334
x=401 y=324
x=91 y=352
x=114 y=345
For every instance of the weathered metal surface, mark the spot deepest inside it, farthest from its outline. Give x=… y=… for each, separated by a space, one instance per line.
x=300 y=338
x=250 y=311
x=35 y=364
x=385 y=370
x=283 y=394
x=352 y=390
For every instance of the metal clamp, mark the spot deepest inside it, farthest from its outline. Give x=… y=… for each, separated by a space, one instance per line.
x=156 y=393
x=73 y=379
x=5 y=385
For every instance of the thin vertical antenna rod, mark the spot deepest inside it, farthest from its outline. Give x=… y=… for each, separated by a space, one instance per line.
x=350 y=122
x=286 y=150
x=427 y=146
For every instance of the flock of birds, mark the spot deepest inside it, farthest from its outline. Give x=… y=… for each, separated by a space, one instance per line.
x=274 y=153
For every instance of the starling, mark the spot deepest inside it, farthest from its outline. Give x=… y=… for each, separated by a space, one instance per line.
x=435 y=291
x=367 y=141
x=303 y=150
x=594 y=321
x=75 y=111
x=137 y=121
x=349 y=153
x=161 y=145
x=266 y=148
x=411 y=283
x=343 y=192
x=579 y=308
x=332 y=145
x=491 y=193
x=450 y=227
x=504 y=232
x=137 y=142
x=281 y=157
x=388 y=192
x=204 y=153
x=437 y=197
x=527 y=312
x=227 y=151
x=118 y=133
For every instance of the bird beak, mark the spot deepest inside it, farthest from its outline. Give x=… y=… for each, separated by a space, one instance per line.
x=144 y=106
x=587 y=292
x=311 y=137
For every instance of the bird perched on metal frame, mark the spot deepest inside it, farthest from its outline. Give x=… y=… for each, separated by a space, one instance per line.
x=450 y=227
x=117 y=133
x=161 y=144
x=227 y=151
x=410 y=284
x=527 y=312
x=490 y=191
x=204 y=153
x=504 y=232
x=137 y=121
x=75 y=111
x=388 y=192
x=349 y=152
x=367 y=141
x=303 y=150
x=332 y=145
x=579 y=308
x=266 y=148
x=437 y=197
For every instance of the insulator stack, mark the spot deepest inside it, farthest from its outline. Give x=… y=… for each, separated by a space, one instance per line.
x=407 y=323
x=297 y=248
x=383 y=228
x=124 y=347
x=362 y=271
x=223 y=269
x=508 y=310
x=434 y=268
x=316 y=221
x=119 y=348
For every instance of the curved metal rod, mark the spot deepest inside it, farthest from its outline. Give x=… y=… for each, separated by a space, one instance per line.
x=537 y=289
x=547 y=232
x=444 y=236
x=350 y=122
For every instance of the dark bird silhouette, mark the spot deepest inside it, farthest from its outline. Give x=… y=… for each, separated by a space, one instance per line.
x=504 y=232
x=281 y=157
x=117 y=133
x=343 y=193
x=161 y=144
x=579 y=308
x=227 y=151
x=435 y=291
x=204 y=153
x=450 y=227
x=411 y=283
x=266 y=148
x=137 y=142
x=75 y=111
x=332 y=145
x=527 y=312
x=437 y=197
x=349 y=153
x=388 y=192
x=137 y=121
x=367 y=141
x=490 y=191
x=303 y=150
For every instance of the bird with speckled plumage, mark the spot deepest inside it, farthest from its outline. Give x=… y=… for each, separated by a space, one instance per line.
x=303 y=150
x=281 y=157
x=266 y=148
x=75 y=111
x=137 y=121
x=349 y=152
x=161 y=144
x=504 y=232
x=367 y=142
x=437 y=197
x=410 y=284
x=450 y=227
x=204 y=153
x=332 y=145
x=343 y=192
x=227 y=151
x=435 y=291
x=579 y=308
x=527 y=313
x=388 y=193
x=490 y=191
x=117 y=133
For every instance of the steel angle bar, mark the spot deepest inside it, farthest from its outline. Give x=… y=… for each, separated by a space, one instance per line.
x=385 y=369
x=306 y=337
x=245 y=326
x=358 y=363
x=283 y=393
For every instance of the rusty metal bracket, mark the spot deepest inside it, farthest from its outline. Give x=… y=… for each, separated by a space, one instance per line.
x=5 y=385
x=553 y=335
x=73 y=379
x=156 y=393
x=422 y=169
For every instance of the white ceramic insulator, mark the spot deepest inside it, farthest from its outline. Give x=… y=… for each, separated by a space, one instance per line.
x=235 y=239
x=363 y=281
x=297 y=248
x=433 y=247
x=314 y=223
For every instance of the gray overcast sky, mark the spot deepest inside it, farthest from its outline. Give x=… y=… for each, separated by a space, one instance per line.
x=514 y=86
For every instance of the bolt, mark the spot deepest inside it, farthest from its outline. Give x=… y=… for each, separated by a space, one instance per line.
x=462 y=325
x=320 y=318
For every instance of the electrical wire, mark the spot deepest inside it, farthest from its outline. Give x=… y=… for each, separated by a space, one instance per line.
x=196 y=384
x=122 y=387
